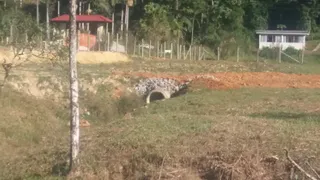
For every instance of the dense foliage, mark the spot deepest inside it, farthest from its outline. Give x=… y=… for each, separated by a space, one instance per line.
x=210 y=22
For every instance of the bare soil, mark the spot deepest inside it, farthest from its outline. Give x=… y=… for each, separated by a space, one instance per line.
x=232 y=80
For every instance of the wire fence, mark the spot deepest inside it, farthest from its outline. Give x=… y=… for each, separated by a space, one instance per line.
x=146 y=48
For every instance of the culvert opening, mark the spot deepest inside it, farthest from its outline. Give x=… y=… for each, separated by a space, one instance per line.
x=156 y=96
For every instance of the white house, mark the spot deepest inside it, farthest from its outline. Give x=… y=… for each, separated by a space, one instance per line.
x=282 y=38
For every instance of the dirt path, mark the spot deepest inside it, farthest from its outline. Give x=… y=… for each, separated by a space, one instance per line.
x=230 y=80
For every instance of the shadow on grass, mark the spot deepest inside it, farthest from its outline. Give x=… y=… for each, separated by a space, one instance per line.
x=288 y=116
x=61 y=169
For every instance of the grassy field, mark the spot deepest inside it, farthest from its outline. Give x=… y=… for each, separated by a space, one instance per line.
x=204 y=134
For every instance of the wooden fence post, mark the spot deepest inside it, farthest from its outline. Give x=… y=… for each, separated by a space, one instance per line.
x=164 y=49
x=142 y=48
x=99 y=45
x=171 y=48
x=280 y=54
x=158 y=49
x=88 y=41
x=108 y=42
x=149 y=48
x=127 y=39
x=184 y=52
x=178 y=50
x=218 y=53
x=302 y=56
x=117 y=42
x=199 y=53
x=134 y=45
x=258 y=55
x=238 y=53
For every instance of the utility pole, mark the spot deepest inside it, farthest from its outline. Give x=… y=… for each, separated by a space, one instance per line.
x=74 y=89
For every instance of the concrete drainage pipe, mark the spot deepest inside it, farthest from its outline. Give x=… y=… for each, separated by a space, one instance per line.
x=157 y=94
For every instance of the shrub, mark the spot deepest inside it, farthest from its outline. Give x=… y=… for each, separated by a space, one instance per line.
x=103 y=107
x=269 y=53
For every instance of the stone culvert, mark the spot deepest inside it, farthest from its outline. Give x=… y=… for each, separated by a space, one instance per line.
x=158 y=88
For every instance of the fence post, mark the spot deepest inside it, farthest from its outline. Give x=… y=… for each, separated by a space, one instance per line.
x=134 y=45
x=99 y=45
x=164 y=49
x=88 y=41
x=199 y=53
x=258 y=55
x=117 y=42
x=161 y=51
x=142 y=53
x=78 y=40
x=180 y=50
x=171 y=48
x=105 y=42
x=280 y=54
x=184 y=52
x=158 y=49
x=108 y=45
x=302 y=56
x=149 y=48
x=203 y=54
x=218 y=53
x=238 y=53
x=127 y=38
x=190 y=49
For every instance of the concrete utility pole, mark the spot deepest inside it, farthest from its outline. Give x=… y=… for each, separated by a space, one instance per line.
x=74 y=89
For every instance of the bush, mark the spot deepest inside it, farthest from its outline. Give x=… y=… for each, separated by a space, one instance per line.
x=269 y=53
x=273 y=54
x=103 y=107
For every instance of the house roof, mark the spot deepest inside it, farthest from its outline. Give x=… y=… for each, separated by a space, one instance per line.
x=82 y=18
x=283 y=32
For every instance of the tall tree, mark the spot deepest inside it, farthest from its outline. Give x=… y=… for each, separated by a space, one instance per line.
x=74 y=89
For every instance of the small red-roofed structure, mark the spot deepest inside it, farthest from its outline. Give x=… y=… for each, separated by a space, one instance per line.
x=91 y=29
x=83 y=19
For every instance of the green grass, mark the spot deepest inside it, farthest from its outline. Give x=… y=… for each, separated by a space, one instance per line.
x=188 y=135
x=202 y=134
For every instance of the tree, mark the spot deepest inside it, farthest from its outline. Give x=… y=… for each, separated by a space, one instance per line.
x=74 y=89
x=24 y=42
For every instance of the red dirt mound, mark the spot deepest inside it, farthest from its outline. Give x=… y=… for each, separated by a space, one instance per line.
x=230 y=80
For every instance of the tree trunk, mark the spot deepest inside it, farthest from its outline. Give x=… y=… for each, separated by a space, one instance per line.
x=74 y=89
x=58 y=7
x=38 y=18
x=177 y=4
x=47 y=20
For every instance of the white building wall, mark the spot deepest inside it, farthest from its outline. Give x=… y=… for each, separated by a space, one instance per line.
x=297 y=45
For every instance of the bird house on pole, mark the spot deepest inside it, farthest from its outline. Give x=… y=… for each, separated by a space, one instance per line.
x=130 y=3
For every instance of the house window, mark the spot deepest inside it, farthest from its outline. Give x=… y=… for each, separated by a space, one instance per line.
x=278 y=38
x=294 y=39
x=263 y=38
x=270 y=38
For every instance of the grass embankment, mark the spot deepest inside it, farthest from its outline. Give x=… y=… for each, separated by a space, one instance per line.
x=201 y=135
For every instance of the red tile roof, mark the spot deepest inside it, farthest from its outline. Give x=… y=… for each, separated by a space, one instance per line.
x=82 y=18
